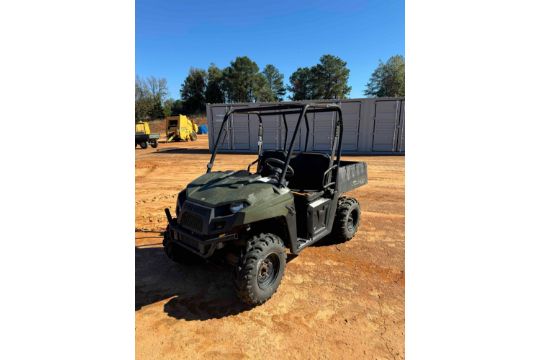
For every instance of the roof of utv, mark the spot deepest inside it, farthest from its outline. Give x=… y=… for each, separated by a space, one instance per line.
x=284 y=109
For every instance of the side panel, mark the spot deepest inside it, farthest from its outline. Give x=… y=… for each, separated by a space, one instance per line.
x=351 y=121
x=218 y=113
x=317 y=216
x=385 y=125
x=401 y=137
x=323 y=131
x=352 y=174
x=271 y=130
x=240 y=131
x=365 y=128
x=291 y=123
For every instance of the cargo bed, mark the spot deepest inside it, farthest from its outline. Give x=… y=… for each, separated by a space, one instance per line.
x=351 y=175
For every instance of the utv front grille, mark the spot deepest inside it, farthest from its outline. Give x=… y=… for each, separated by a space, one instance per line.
x=191 y=221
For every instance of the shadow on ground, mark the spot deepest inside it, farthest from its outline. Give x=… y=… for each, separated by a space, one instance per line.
x=196 y=292
x=199 y=292
x=328 y=241
x=182 y=151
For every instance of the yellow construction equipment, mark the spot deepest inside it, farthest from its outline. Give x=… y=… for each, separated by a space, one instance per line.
x=180 y=128
x=143 y=137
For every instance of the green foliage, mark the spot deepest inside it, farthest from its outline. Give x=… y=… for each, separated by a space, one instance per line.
x=143 y=102
x=326 y=80
x=388 y=79
x=167 y=107
x=274 y=80
x=177 y=107
x=157 y=111
x=149 y=97
x=241 y=82
x=262 y=91
x=214 y=88
x=330 y=78
x=172 y=107
x=193 y=91
x=301 y=84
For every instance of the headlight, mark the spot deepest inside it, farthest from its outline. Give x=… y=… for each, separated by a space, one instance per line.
x=236 y=207
x=180 y=201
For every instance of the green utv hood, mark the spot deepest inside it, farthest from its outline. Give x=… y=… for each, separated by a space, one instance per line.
x=224 y=187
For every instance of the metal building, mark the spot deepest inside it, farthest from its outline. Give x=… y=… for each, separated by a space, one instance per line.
x=370 y=126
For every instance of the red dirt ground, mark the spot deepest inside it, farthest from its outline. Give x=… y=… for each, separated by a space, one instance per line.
x=341 y=301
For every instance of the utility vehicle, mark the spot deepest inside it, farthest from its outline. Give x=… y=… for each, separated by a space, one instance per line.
x=289 y=201
x=143 y=136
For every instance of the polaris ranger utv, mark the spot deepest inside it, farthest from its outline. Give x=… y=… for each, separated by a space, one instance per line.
x=249 y=218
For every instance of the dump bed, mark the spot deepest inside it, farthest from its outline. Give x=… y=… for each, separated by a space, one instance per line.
x=351 y=174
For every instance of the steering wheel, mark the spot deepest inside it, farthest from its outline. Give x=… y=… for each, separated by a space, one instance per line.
x=276 y=166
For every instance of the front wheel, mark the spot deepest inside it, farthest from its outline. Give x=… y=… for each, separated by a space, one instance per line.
x=143 y=144
x=261 y=269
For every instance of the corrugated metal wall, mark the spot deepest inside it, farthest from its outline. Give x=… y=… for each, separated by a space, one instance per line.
x=371 y=126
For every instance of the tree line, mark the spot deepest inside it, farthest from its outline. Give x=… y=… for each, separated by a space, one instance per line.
x=243 y=81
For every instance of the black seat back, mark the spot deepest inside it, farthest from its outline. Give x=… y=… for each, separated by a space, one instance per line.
x=309 y=168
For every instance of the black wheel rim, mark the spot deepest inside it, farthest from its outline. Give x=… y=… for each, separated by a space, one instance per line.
x=352 y=221
x=267 y=271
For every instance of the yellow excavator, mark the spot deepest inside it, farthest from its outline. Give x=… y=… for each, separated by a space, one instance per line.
x=180 y=128
x=143 y=136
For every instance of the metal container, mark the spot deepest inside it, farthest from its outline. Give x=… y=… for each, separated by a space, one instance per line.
x=370 y=126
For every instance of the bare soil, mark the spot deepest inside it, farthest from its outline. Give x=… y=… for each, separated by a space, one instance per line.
x=342 y=301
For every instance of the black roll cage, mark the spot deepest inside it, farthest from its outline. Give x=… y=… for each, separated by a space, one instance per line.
x=284 y=110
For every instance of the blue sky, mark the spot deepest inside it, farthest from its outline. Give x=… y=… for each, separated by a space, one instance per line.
x=172 y=36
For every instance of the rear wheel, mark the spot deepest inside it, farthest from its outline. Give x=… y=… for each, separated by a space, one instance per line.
x=177 y=253
x=261 y=269
x=143 y=144
x=153 y=143
x=347 y=219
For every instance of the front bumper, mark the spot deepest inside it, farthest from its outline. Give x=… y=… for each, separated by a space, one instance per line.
x=202 y=245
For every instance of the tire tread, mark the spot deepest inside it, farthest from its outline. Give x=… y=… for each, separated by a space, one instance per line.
x=246 y=275
x=339 y=229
